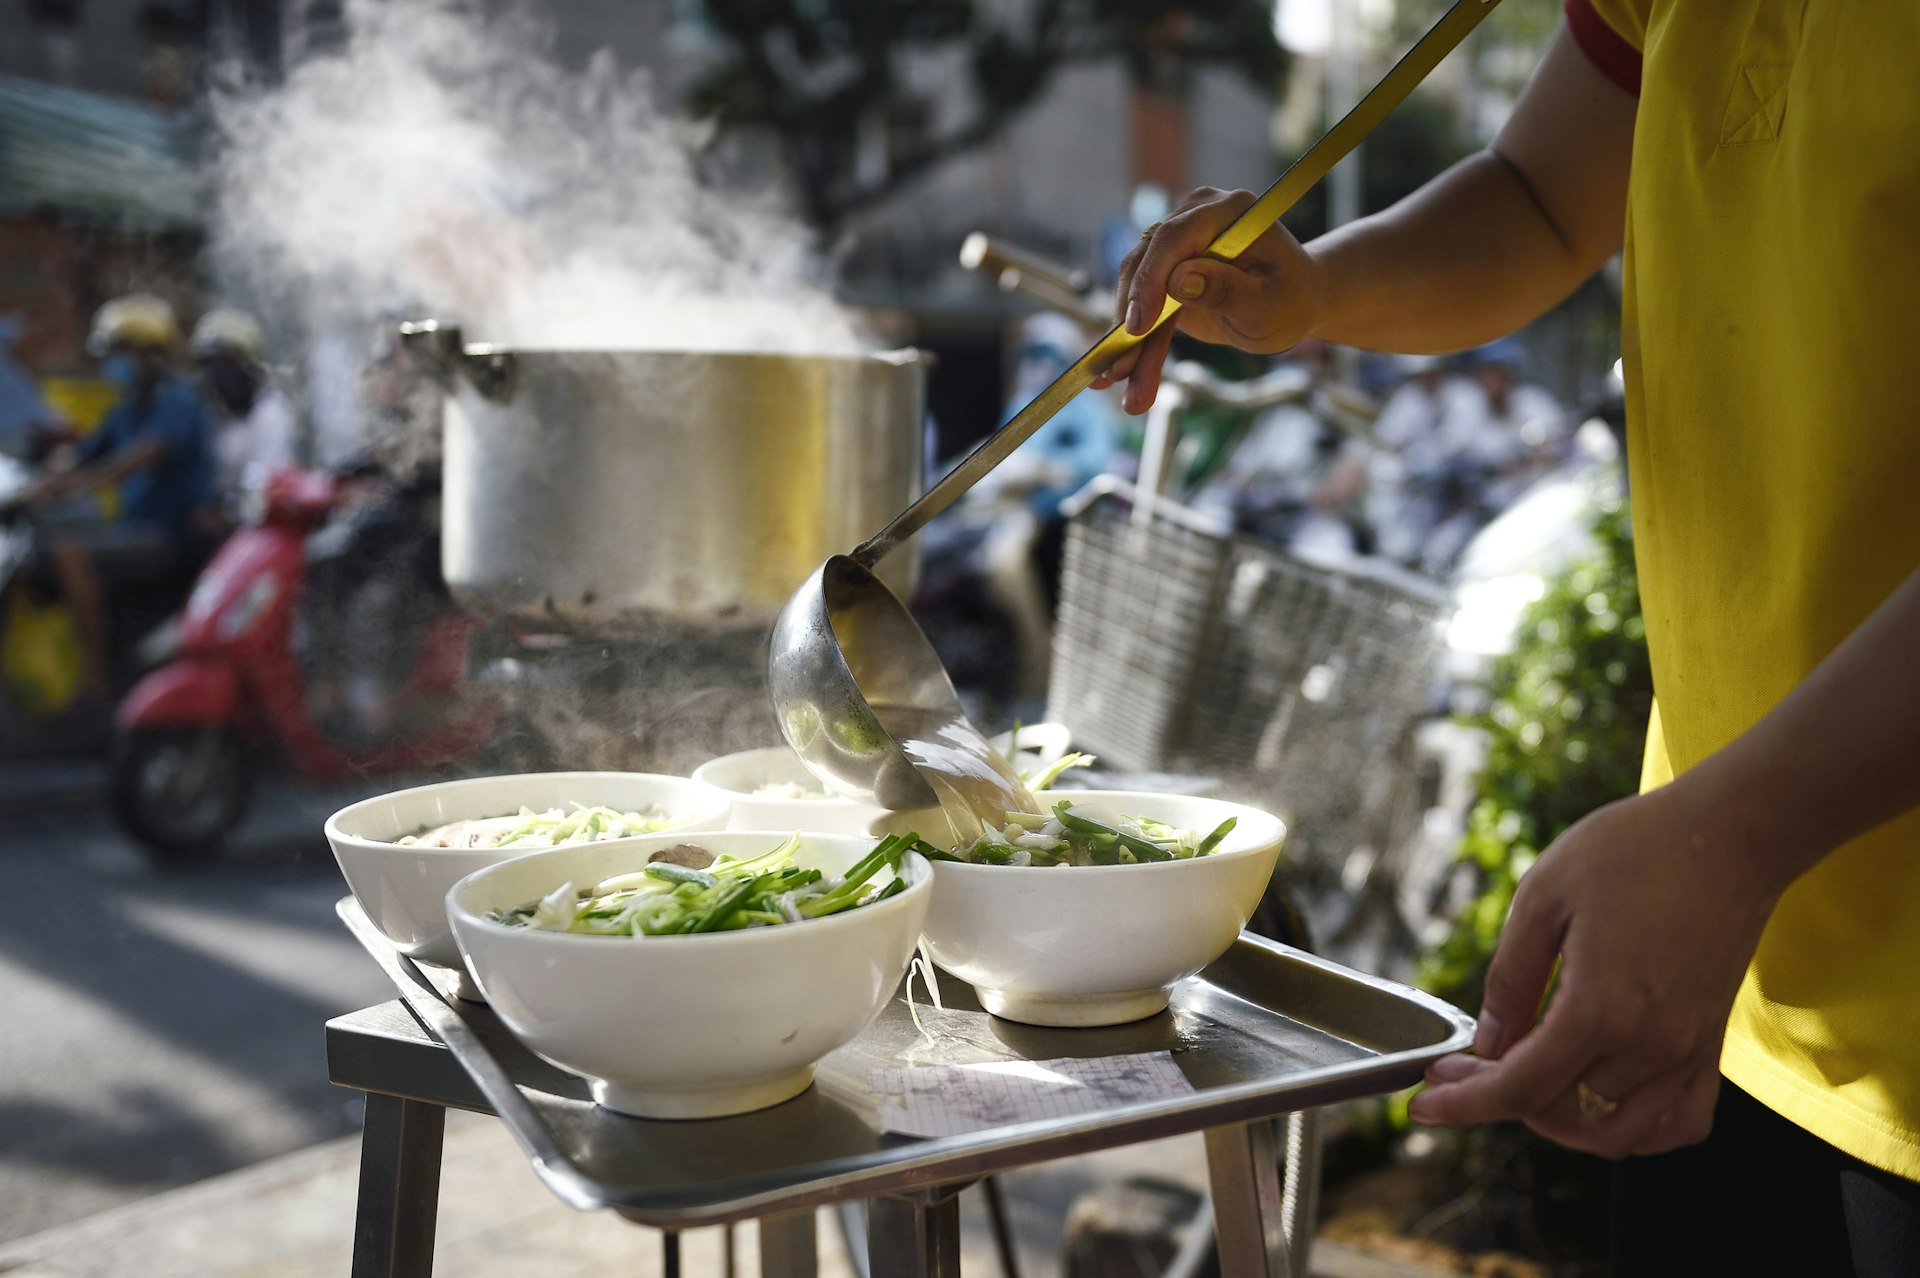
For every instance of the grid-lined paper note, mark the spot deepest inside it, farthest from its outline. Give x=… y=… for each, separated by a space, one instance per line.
x=951 y=1100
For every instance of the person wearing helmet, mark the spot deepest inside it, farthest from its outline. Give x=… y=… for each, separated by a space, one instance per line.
x=253 y=428
x=1408 y=475
x=153 y=445
x=1080 y=440
x=1509 y=421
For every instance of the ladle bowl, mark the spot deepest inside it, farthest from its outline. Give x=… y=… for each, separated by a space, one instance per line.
x=844 y=644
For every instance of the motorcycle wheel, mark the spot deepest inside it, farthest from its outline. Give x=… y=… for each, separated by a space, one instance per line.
x=179 y=791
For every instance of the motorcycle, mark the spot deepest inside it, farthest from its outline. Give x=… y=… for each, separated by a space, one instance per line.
x=42 y=711
x=188 y=736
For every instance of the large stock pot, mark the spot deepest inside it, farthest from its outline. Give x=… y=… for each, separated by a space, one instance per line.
x=612 y=491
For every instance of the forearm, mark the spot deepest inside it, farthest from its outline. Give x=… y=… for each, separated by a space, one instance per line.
x=1501 y=236
x=1485 y=247
x=1837 y=757
x=1467 y=258
x=111 y=469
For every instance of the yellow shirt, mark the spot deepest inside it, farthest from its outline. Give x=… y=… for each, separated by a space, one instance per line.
x=1772 y=345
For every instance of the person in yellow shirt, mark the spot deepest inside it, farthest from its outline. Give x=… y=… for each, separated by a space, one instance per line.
x=1738 y=1011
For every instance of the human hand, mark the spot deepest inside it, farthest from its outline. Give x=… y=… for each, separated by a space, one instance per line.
x=1654 y=908
x=1264 y=301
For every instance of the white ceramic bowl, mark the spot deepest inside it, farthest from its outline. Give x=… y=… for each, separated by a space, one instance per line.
x=1102 y=944
x=688 y=1026
x=403 y=889
x=737 y=776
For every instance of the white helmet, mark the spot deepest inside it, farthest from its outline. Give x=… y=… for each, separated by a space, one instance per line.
x=137 y=319
x=227 y=330
x=1050 y=330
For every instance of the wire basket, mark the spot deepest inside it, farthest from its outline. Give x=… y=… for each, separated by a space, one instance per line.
x=1180 y=647
x=1131 y=626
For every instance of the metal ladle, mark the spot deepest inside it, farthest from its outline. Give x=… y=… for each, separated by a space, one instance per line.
x=844 y=643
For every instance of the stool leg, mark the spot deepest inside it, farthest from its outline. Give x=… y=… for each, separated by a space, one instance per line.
x=1243 y=1170
x=789 y=1246
x=915 y=1235
x=1003 y=1244
x=400 y=1147
x=851 y=1215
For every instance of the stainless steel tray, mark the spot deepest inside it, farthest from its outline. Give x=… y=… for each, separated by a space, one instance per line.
x=1264 y=1031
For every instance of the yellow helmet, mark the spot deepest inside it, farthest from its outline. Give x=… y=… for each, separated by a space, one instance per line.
x=227 y=330
x=137 y=319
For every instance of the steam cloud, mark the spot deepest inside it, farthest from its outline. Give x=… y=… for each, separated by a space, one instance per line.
x=444 y=161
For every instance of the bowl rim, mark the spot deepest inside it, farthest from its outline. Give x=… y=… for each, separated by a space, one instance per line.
x=1080 y=871
x=458 y=913
x=334 y=832
x=1277 y=844
x=827 y=797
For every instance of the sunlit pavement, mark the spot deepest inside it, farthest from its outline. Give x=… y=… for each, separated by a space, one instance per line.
x=292 y=1218
x=161 y=1025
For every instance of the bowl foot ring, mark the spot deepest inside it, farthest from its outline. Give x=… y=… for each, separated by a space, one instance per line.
x=702 y=1102
x=1080 y=1011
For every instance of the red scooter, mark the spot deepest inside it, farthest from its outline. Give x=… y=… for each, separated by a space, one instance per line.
x=187 y=737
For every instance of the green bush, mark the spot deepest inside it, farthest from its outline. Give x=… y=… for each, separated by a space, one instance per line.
x=1565 y=725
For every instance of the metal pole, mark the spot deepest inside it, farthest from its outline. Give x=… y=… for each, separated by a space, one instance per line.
x=789 y=1246
x=852 y=1216
x=1300 y=1180
x=915 y=1235
x=1002 y=1232
x=1346 y=183
x=1243 y=1169
x=399 y=1199
x=1157 y=449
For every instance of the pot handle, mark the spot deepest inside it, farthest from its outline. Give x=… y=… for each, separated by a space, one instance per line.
x=442 y=352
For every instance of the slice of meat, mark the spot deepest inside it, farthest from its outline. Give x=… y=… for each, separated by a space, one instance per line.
x=690 y=855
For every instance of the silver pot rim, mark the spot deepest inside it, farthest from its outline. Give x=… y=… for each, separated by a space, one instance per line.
x=901 y=356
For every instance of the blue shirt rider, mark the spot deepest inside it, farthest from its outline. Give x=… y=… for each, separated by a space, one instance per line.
x=155 y=445
x=170 y=490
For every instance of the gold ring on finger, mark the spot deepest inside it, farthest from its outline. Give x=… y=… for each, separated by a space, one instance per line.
x=1592 y=1103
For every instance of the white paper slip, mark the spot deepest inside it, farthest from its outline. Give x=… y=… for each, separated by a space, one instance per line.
x=951 y=1100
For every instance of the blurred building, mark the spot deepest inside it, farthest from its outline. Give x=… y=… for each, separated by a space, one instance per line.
x=1106 y=144
x=1061 y=180
x=97 y=196
x=1065 y=168
x=99 y=184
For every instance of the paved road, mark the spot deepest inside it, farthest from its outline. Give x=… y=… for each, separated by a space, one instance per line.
x=160 y=1026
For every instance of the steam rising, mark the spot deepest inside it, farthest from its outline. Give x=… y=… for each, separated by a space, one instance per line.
x=444 y=161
